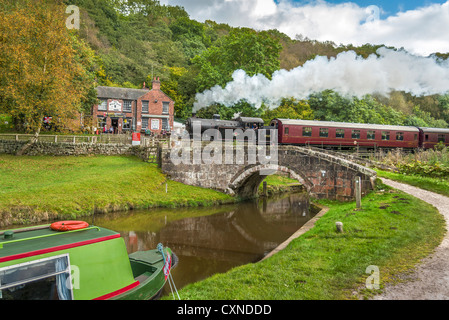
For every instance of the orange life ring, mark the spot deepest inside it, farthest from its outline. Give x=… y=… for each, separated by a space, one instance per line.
x=68 y=225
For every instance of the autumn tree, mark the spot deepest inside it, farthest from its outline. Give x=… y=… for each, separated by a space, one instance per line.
x=41 y=71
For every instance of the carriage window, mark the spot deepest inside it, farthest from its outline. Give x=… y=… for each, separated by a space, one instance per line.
x=355 y=134
x=44 y=279
x=399 y=136
x=371 y=135
x=416 y=137
x=427 y=137
x=324 y=132
x=340 y=133
x=441 y=138
x=385 y=135
x=306 y=132
x=286 y=129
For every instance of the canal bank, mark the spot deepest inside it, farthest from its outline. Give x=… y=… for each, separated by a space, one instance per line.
x=391 y=233
x=44 y=188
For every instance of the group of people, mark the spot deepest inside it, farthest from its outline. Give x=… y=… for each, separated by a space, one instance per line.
x=110 y=130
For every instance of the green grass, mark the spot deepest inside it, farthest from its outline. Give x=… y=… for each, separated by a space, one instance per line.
x=278 y=184
x=42 y=187
x=437 y=185
x=392 y=231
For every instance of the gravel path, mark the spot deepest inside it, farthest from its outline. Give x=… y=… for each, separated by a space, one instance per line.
x=430 y=280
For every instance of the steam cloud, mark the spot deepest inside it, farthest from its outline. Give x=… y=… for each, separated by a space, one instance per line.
x=347 y=74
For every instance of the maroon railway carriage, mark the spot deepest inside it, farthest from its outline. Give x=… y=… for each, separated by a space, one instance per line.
x=429 y=137
x=340 y=134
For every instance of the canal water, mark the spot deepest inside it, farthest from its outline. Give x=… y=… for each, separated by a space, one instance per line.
x=213 y=239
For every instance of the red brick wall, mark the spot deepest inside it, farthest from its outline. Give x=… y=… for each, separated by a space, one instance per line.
x=155 y=99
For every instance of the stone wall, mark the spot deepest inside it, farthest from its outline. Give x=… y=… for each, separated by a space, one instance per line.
x=73 y=149
x=323 y=175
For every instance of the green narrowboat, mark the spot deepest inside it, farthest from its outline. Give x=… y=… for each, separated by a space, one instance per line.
x=70 y=260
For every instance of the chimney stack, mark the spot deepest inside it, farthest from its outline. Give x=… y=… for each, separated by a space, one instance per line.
x=156 y=84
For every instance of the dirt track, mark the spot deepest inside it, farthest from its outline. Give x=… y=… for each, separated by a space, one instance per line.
x=430 y=280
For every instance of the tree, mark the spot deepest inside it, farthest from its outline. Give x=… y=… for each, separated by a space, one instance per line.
x=41 y=72
x=254 y=52
x=290 y=108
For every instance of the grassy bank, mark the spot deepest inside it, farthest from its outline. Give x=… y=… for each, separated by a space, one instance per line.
x=392 y=231
x=33 y=189
x=437 y=185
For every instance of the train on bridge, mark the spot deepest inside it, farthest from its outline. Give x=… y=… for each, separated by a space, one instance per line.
x=332 y=135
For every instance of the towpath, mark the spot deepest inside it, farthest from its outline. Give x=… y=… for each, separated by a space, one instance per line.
x=430 y=280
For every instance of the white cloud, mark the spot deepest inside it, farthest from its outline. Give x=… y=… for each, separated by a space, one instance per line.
x=421 y=31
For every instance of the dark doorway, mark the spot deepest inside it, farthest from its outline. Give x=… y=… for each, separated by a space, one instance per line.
x=114 y=124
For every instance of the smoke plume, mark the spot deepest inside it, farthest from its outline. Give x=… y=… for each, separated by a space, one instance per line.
x=347 y=74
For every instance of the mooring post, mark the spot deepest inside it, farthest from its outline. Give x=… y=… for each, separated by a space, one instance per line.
x=339 y=226
x=358 y=192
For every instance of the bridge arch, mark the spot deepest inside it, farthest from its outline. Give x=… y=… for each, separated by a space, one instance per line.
x=246 y=183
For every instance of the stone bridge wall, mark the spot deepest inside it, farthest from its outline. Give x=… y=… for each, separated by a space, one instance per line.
x=323 y=175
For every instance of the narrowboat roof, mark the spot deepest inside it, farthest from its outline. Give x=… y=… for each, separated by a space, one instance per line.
x=26 y=241
x=347 y=125
x=435 y=130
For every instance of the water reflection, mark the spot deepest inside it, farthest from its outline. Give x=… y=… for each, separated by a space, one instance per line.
x=213 y=240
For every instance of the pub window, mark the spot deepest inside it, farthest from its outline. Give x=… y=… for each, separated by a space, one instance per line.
x=103 y=106
x=165 y=106
x=145 y=108
x=44 y=279
x=371 y=135
x=144 y=123
x=286 y=130
x=306 y=132
x=324 y=132
x=400 y=136
x=165 y=125
x=355 y=134
x=101 y=122
x=127 y=106
x=127 y=123
x=385 y=135
x=340 y=133
x=441 y=138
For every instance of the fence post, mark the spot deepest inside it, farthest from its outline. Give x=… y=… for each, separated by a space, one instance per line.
x=358 y=192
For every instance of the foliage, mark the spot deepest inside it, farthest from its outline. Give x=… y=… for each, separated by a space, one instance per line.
x=290 y=108
x=428 y=163
x=45 y=69
x=254 y=52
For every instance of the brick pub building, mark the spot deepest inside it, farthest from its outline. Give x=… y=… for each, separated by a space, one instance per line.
x=134 y=110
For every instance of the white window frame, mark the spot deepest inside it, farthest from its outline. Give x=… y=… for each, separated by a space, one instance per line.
x=127 y=103
x=165 y=103
x=103 y=105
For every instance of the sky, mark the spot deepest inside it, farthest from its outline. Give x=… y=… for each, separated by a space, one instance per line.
x=419 y=26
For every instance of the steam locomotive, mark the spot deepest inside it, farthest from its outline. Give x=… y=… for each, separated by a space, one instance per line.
x=224 y=127
x=331 y=135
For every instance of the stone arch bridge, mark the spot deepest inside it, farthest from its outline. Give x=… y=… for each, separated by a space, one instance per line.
x=240 y=172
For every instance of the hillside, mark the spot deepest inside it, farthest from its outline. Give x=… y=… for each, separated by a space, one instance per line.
x=143 y=39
